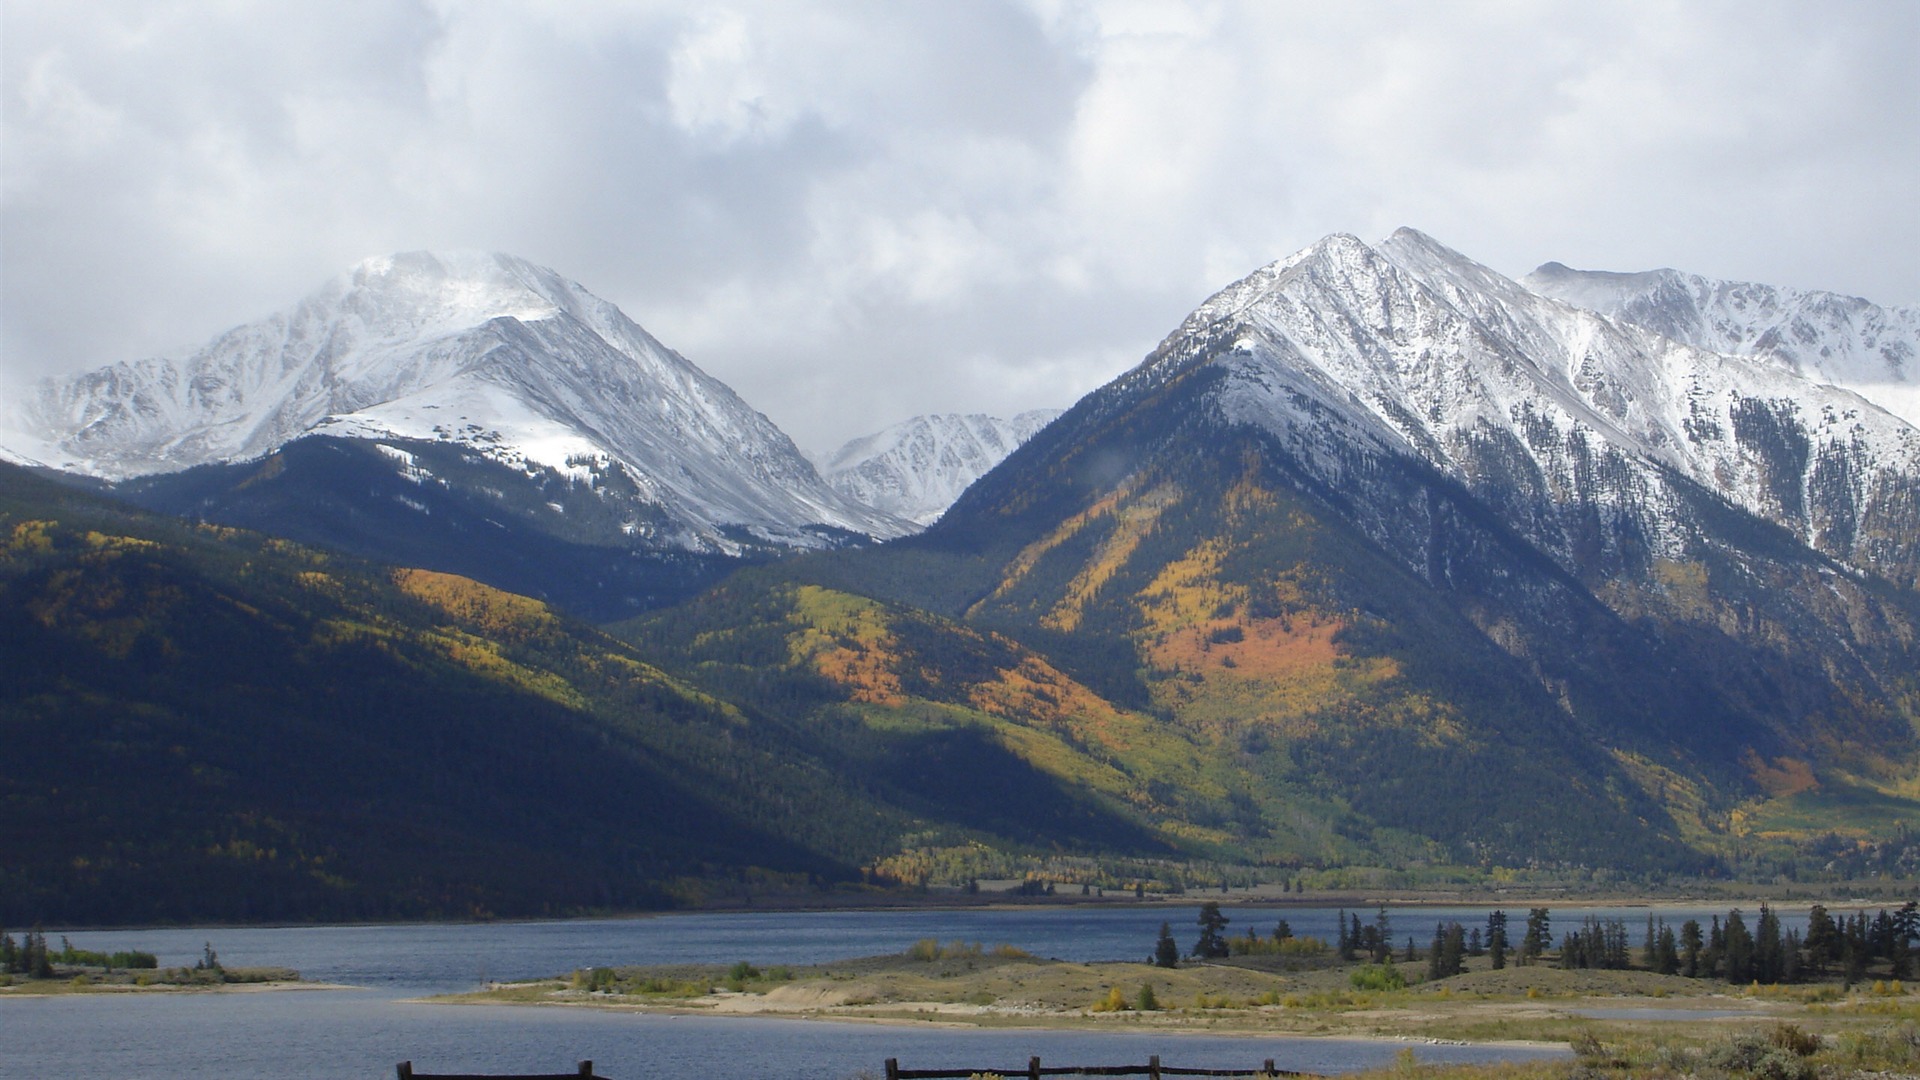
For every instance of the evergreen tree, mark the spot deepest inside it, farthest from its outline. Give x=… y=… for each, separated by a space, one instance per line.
x=1739 y=953
x=1453 y=950
x=1383 y=936
x=1539 y=935
x=1666 y=958
x=1282 y=932
x=1823 y=940
x=1213 y=942
x=1692 y=949
x=1768 y=948
x=1345 y=945
x=1166 y=951
x=1497 y=939
x=1650 y=946
x=1474 y=947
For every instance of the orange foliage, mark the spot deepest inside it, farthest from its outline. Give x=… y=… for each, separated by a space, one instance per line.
x=865 y=670
x=493 y=610
x=1037 y=693
x=1784 y=778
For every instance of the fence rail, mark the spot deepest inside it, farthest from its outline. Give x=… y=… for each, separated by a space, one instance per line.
x=584 y=1071
x=1152 y=1069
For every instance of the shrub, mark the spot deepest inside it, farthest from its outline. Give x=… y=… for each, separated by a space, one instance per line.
x=1794 y=1040
x=1378 y=977
x=1147 y=1001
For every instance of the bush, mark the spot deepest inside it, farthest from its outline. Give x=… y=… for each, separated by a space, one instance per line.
x=1378 y=977
x=1793 y=1040
x=1147 y=1002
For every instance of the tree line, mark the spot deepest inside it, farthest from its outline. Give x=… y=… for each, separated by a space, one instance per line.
x=1725 y=948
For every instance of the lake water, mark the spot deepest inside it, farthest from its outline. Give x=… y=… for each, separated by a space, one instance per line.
x=361 y=1033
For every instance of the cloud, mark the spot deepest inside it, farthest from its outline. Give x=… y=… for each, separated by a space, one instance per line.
x=853 y=213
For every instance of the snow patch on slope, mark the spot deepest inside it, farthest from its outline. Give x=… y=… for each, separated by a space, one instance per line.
x=487 y=351
x=1822 y=336
x=1349 y=351
x=916 y=469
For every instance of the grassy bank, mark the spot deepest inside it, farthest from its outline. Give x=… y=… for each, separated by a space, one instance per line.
x=1619 y=1023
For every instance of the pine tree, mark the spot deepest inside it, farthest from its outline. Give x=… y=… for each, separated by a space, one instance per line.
x=1453 y=948
x=1691 y=949
x=1497 y=939
x=1539 y=935
x=1739 y=948
x=1344 y=946
x=1823 y=939
x=1767 y=946
x=1166 y=951
x=1213 y=943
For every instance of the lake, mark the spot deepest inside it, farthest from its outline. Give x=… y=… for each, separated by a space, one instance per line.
x=362 y=1032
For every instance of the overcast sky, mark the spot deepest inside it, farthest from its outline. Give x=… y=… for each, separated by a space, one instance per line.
x=853 y=213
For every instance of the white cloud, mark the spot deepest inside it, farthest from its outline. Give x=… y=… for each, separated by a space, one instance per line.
x=857 y=212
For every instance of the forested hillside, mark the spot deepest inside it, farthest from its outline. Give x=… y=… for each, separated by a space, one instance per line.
x=203 y=723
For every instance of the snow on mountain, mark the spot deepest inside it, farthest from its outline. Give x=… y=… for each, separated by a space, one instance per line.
x=487 y=351
x=1582 y=431
x=917 y=468
x=1842 y=340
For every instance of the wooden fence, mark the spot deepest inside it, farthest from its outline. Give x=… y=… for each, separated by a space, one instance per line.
x=583 y=1072
x=1152 y=1069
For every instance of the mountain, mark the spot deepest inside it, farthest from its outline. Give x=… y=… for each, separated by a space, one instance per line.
x=433 y=409
x=915 y=469
x=209 y=724
x=1826 y=337
x=1432 y=562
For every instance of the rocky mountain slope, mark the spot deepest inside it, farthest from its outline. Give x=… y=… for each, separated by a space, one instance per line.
x=1399 y=535
x=915 y=469
x=1826 y=337
x=436 y=409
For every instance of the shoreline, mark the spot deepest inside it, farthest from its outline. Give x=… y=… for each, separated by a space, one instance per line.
x=1353 y=902
x=58 y=988
x=1044 y=1022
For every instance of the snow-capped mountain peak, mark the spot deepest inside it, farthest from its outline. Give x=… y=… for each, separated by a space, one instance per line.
x=917 y=468
x=486 y=350
x=1348 y=351
x=1823 y=336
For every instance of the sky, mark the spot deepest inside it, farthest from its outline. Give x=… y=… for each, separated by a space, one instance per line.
x=857 y=212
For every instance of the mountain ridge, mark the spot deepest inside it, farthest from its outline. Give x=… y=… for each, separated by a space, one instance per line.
x=488 y=351
x=916 y=468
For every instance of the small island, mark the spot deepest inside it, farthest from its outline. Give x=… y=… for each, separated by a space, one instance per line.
x=1683 y=1001
x=31 y=967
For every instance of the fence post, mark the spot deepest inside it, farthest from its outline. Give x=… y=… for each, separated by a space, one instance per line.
x=1153 y=1067
x=1033 y=1068
x=893 y=1069
x=1269 y=1069
x=404 y=1070
x=586 y=1068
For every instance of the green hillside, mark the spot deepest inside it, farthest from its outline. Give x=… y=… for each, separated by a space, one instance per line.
x=209 y=724
x=1751 y=713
